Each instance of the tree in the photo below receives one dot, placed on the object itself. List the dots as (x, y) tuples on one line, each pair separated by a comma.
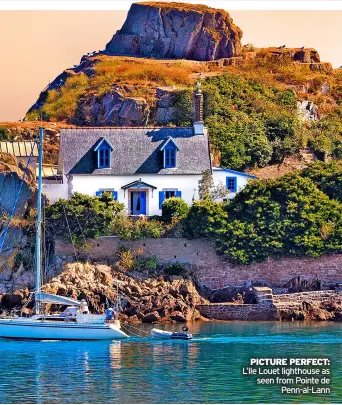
[(207, 190)]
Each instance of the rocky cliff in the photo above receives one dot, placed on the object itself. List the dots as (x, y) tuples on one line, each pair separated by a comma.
[(176, 30)]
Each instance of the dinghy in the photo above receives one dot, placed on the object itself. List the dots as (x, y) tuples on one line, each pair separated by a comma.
[(164, 334)]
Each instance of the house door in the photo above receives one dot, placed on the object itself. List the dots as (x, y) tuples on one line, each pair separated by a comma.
[(138, 203)]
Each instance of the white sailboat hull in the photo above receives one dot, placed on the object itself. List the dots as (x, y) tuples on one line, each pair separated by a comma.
[(23, 328)]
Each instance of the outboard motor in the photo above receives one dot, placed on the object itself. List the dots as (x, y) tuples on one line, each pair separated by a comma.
[(163, 334)]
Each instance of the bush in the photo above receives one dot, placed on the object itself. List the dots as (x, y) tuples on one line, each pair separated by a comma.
[(129, 228), (175, 269), (288, 216), (85, 216), (132, 259), (327, 177), (205, 218), (4, 134), (128, 259), (174, 207), (250, 123)]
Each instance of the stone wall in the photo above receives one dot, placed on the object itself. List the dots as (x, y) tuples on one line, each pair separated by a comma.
[(211, 269), (264, 310), (306, 296), (268, 306), (236, 312)]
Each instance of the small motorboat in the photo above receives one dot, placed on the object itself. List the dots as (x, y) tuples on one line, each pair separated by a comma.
[(164, 334)]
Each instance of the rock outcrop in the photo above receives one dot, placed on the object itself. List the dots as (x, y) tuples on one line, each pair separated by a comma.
[(149, 299), (307, 110), (113, 109), (302, 55), (176, 30)]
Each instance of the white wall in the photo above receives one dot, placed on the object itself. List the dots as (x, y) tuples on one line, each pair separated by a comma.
[(55, 191), (220, 175), (89, 184)]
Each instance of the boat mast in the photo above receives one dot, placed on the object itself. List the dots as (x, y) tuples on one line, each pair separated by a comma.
[(39, 223)]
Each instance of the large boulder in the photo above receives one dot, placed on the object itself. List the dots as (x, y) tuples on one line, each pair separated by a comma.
[(177, 30)]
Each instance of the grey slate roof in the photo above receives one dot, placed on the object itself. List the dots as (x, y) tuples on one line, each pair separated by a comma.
[(136, 150)]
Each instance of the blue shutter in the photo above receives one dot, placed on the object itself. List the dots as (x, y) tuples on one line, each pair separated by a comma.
[(98, 193), (161, 198), (179, 194), (115, 195)]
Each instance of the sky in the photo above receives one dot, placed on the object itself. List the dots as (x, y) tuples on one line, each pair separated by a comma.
[(36, 46)]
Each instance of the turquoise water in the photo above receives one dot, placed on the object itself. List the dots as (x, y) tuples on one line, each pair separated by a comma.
[(206, 369)]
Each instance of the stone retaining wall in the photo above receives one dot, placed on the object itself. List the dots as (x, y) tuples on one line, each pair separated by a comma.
[(264, 310), (237, 312), (307, 296), (211, 269), (267, 307)]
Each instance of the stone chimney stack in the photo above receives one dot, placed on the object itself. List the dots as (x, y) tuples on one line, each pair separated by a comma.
[(198, 110)]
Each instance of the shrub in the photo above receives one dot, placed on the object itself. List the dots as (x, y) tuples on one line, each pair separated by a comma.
[(150, 263), (127, 260), (288, 216), (132, 259), (327, 177), (249, 122), (175, 269), (205, 218), (4, 134), (129, 228), (85, 216), (182, 103), (174, 207)]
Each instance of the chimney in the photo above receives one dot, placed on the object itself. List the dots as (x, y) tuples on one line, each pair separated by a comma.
[(198, 110)]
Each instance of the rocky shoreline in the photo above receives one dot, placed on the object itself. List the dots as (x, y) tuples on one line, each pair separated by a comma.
[(150, 299), (153, 297)]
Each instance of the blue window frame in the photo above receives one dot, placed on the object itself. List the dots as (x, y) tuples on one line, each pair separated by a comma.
[(103, 151), (231, 183), (103, 157), (170, 156), (114, 193), (164, 195), (169, 149)]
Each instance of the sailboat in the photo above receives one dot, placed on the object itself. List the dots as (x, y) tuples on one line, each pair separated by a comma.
[(75, 322)]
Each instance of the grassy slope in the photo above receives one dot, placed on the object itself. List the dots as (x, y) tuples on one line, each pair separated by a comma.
[(140, 77)]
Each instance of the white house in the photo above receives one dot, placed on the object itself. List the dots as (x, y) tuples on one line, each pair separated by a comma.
[(233, 180), (142, 167)]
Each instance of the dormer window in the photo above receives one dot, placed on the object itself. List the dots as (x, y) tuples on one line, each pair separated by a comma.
[(170, 157), (104, 158), (103, 151), (169, 150)]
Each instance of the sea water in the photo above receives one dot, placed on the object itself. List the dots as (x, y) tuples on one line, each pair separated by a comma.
[(144, 370)]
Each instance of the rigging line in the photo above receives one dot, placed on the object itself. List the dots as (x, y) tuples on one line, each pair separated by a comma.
[(84, 239), (134, 328), (66, 219), (44, 241), (125, 329), (70, 234), (3, 233)]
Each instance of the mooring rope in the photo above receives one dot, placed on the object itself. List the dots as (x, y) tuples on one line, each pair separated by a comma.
[(134, 328)]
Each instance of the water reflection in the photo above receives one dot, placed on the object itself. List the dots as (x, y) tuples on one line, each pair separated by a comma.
[(207, 369)]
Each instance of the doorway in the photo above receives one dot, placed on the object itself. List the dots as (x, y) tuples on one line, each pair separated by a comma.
[(138, 202)]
